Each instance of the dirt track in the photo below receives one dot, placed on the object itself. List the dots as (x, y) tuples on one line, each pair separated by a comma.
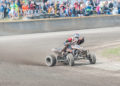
[(22, 56)]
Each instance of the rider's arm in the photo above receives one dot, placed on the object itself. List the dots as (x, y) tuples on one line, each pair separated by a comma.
[(66, 44), (81, 40)]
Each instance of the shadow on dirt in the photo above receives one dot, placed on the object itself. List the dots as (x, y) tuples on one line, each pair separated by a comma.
[(29, 63)]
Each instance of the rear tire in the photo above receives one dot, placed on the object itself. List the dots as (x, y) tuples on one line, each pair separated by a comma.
[(70, 59), (92, 59), (50, 60)]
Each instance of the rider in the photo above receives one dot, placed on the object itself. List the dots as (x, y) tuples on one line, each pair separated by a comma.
[(75, 39)]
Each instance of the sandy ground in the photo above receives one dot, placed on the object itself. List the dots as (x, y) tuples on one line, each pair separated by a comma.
[(21, 58)]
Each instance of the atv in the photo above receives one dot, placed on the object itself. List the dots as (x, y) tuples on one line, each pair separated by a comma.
[(69, 58)]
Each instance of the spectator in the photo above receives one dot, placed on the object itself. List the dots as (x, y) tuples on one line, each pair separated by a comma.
[(88, 10), (106, 9), (12, 10), (1, 10), (24, 8), (98, 9), (88, 2), (16, 9), (94, 4), (32, 8), (110, 6), (118, 6), (115, 11)]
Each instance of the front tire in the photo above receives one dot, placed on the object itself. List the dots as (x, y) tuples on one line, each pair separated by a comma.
[(50, 60), (70, 59)]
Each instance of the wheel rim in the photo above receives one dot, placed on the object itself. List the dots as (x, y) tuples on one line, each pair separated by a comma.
[(48, 61), (70, 60)]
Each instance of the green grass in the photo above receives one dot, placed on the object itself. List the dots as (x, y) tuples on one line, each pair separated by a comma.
[(111, 52)]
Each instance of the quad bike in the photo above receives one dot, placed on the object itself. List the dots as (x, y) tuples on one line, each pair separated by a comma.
[(69, 58)]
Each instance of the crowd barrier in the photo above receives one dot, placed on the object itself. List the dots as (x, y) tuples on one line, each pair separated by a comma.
[(57, 24)]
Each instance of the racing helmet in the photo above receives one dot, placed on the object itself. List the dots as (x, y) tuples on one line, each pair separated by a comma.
[(76, 35)]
